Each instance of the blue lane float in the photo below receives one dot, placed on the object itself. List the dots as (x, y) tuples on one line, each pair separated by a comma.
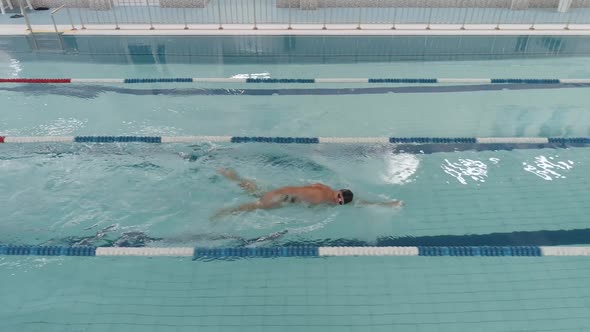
[(433, 140), (158, 80), (278, 140), (281, 80), (571, 140), (46, 251), (404, 80), (262, 252), (481, 251), (297, 251)]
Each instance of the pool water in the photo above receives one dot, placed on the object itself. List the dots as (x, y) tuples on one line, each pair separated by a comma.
[(322, 110), (60, 193), (174, 191)]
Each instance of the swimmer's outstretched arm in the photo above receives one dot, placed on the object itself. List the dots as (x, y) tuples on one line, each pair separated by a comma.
[(394, 203)]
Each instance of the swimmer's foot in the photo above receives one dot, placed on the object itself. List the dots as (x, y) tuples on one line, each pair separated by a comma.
[(229, 174), (248, 185), (396, 203)]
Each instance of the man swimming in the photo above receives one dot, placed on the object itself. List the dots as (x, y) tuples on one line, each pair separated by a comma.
[(314, 194)]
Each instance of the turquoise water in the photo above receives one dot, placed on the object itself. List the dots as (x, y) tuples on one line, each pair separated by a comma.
[(59, 193), (354, 294), (180, 109), (160, 191)]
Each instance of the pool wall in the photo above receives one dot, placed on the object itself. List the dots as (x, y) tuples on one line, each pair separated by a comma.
[(312, 49)]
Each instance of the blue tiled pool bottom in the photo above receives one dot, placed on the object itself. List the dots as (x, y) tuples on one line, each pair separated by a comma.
[(352, 294)]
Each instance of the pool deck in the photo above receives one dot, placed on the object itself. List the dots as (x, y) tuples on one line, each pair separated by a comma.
[(305, 29)]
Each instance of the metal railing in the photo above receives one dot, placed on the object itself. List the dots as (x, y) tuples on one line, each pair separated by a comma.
[(57, 33), (194, 14)]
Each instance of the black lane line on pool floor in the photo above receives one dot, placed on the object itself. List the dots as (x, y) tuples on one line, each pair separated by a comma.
[(58, 150), (93, 91), (521, 238), (528, 238)]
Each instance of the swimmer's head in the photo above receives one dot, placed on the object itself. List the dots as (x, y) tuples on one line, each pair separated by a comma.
[(344, 196)]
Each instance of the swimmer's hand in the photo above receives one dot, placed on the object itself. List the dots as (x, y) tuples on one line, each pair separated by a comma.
[(394, 203), (220, 214)]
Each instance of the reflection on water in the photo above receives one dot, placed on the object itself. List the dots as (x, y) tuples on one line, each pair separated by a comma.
[(400, 168), (15, 67), (464, 169), (546, 168)]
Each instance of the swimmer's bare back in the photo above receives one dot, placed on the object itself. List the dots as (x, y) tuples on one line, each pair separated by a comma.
[(315, 194)]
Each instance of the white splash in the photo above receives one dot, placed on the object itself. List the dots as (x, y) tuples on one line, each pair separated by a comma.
[(464, 169), (400, 168), (15, 66), (547, 169), (255, 75), (41, 262), (61, 126), (313, 227)]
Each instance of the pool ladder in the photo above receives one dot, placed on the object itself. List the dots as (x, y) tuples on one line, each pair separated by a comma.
[(47, 41)]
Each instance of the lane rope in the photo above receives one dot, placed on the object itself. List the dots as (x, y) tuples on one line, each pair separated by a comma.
[(299, 80), (295, 140), (298, 251)]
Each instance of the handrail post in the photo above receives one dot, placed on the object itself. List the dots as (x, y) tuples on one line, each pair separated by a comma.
[(255, 25), (358, 27), (82, 26), (115, 15), (219, 15), (569, 19), (29, 27), (289, 4), (324, 27), (26, 16), (147, 2), (532, 27), (61, 42), (468, 12), (70, 17)]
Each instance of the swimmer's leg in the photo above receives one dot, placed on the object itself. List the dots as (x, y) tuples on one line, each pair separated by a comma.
[(261, 204), (248, 185), (236, 209), (271, 237)]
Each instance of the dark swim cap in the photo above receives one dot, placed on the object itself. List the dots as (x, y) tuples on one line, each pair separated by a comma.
[(346, 195)]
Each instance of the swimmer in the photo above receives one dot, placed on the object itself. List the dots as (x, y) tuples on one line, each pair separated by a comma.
[(314, 194)]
